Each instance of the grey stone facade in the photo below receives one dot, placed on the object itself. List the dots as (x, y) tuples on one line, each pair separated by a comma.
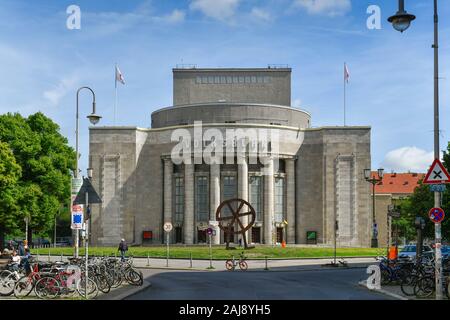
[(322, 168)]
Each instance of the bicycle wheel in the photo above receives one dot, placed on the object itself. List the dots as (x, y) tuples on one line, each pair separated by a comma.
[(229, 265), (23, 287), (134, 277), (407, 285), (7, 282), (385, 277), (425, 287), (92, 289), (47, 288), (243, 265), (102, 283)]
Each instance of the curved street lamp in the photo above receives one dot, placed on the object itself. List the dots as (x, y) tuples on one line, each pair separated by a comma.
[(401, 20), (94, 119), (373, 180)]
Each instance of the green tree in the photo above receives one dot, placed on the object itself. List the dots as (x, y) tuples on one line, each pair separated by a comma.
[(10, 173), (46, 161)]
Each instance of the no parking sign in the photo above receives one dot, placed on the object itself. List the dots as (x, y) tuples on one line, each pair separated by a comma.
[(436, 215)]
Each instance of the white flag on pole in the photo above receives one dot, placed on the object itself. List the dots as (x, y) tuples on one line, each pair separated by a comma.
[(346, 73), (119, 76)]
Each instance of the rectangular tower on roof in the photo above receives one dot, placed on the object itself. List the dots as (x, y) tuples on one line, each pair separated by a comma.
[(249, 85)]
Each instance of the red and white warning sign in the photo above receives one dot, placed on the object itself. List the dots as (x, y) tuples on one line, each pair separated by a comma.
[(437, 174)]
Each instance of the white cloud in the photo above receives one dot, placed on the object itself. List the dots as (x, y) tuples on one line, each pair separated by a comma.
[(217, 9), (408, 159), (297, 103), (175, 17), (327, 7), (65, 85), (260, 14)]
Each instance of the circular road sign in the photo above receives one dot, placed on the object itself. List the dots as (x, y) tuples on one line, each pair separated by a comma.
[(437, 215), (168, 227), (209, 231)]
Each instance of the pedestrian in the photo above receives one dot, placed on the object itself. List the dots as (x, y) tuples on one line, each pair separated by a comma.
[(123, 248), (240, 242), (21, 248), (24, 260)]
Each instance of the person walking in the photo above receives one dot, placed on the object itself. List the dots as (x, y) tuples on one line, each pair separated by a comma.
[(123, 248)]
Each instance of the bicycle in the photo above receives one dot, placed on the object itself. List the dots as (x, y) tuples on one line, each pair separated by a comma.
[(231, 264)]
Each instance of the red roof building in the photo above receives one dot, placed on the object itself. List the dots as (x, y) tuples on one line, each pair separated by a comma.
[(398, 183)]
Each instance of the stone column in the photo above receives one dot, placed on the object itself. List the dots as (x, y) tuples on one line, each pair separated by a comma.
[(243, 190), (268, 200), (215, 198), (290, 199), (188, 204), (168, 174)]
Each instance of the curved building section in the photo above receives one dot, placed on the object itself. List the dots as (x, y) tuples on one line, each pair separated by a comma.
[(307, 177), (231, 113)]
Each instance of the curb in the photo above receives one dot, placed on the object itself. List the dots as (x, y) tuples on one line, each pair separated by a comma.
[(146, 284), (382, 291)]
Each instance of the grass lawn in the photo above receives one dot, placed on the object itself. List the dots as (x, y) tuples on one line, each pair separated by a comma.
[(219, 252)]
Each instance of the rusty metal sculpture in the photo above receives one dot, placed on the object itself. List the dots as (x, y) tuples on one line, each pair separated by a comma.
[(229, 212)]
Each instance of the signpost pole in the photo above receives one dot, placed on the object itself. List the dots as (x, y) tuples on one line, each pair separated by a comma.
[(210, 251), (167, 260), (86, 235)]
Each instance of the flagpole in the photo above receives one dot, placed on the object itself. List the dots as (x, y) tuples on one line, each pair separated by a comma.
[(345, 86), (115, 97)]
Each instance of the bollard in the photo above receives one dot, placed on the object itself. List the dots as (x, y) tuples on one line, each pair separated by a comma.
[(233, 263), (61, 257), (266, 268), (148, 259), (48, 255), (190, 258)]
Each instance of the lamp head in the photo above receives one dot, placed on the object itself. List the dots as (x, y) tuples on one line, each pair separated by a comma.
[(380, 173), (89, 173), (94, 118), (401, 20), (367, 174)]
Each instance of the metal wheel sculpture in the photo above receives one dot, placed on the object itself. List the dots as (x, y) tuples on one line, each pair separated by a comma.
[(229, 212)]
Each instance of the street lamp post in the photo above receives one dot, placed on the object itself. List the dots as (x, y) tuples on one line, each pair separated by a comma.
[(405, 19), (94, 119), (373, 180)]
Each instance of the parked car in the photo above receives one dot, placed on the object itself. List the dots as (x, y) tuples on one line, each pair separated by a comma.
[(445, 252), (408, 253)]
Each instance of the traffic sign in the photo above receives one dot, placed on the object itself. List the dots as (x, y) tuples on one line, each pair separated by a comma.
[(77, 217), (88, 188), (209, 231), (437, 174), (436, 215), (168, 227), (437, 187)]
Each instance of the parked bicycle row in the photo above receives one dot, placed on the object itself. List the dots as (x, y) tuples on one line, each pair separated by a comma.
[(414, 279), (48, 280)]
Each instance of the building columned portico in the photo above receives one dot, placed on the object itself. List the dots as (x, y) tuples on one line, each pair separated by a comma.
[(298, 179)]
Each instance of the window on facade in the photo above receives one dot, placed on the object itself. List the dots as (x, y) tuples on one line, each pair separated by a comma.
[(204, 79), (253, 79), (210, 79), (229, 79), (179, 199), (223, 79), (241, 79), (256, 195), (259, 79), (266, 79), (247, 79), (229, 191), (201, 198), (235, 79), (279, 199), (198, 80), (216, 79)]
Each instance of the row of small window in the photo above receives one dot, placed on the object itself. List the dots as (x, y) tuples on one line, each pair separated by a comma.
[(231, 79)]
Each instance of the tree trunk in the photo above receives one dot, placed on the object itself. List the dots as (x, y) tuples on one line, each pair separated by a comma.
[(30, 237), (2, 239)]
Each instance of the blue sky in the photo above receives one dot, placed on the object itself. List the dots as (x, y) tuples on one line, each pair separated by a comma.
[(391, 82)]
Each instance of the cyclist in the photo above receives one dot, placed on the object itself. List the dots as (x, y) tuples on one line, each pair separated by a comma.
[(25, 261)]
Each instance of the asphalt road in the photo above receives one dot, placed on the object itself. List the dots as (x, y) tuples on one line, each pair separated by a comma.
[(339, 284)]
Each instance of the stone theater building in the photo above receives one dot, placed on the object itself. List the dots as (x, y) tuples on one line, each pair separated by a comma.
[(318, 178)]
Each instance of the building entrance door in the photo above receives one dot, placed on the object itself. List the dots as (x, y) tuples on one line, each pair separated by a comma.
[(178, 235), (256, 235), (279, 235), (201, 236)]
